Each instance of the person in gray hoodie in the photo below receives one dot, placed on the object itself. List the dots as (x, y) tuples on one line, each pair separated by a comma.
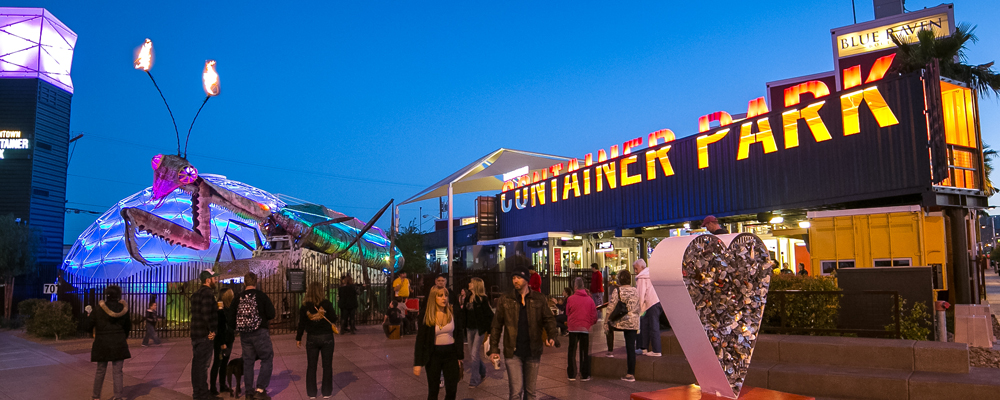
[(649, 311)]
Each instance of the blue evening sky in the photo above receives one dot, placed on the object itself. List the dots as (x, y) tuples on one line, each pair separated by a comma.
[(351, 104)]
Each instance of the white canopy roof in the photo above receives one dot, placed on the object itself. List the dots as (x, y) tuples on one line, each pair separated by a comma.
[(481, 175)]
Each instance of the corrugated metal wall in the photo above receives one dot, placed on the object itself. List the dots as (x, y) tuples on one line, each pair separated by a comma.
[(876, 163), (48, 173)]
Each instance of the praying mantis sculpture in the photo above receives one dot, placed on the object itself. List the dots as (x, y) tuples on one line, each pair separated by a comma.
[(173, 172)]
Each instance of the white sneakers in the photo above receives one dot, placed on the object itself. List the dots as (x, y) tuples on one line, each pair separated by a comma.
[(652, 354)]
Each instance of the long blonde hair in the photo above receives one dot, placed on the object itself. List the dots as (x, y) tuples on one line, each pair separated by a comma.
[(478, 289), (227, 297), (315, 293), (430, 313)]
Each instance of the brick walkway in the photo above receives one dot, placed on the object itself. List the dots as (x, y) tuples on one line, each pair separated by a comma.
[(366, 366)]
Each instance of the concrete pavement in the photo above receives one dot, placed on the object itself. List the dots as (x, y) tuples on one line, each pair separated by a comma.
[(366, 366)]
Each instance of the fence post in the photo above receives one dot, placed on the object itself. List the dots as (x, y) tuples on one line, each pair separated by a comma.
[(781, 308), (896, 314)]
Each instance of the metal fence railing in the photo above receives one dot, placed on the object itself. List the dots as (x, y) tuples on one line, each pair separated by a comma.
[(173, 285), (860, 313)]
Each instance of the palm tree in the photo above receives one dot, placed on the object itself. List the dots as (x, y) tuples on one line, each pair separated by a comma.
[(950, 53), (988, 155)]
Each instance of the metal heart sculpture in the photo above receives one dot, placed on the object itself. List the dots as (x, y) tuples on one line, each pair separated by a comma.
[(713, 289)]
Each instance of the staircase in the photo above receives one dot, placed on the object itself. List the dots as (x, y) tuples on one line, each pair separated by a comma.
[(833, 367)]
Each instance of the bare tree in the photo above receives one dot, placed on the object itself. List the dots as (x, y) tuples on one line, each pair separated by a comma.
[(17, 255)]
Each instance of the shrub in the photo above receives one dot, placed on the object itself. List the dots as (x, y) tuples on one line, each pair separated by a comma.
[(12, 323), (52, 319), (26, 308), (807, 311), (913, 324)]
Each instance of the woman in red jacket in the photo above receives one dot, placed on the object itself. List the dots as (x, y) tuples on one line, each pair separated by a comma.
[(581, 314)]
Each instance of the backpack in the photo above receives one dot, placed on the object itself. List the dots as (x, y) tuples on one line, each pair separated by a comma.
[(394, 316), (247, 314)]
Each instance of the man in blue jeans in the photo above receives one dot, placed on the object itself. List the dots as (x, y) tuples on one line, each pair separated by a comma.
[(254, 311), (523, 314)]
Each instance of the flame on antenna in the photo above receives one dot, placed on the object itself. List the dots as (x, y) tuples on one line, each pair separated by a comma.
[(210, 79), (144, 60)]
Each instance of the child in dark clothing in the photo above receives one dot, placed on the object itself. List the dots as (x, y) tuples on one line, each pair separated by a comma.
[(151, 319)]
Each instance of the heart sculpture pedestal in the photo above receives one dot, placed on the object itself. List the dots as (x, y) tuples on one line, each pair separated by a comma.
[(693, 392), (713, 290)]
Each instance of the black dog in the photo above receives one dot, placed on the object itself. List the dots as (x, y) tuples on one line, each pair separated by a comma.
[(235, 369)]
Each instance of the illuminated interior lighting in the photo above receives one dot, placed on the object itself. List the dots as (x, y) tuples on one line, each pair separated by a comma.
[(804, 224), (777, 219), (35, 44)]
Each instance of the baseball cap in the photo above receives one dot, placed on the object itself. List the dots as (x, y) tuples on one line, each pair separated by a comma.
[(709, 219), (206, 274), (520, 271)]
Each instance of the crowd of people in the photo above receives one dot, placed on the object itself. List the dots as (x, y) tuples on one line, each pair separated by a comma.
[(520, 324)]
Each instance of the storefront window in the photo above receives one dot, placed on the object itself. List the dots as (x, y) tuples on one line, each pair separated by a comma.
[(895, 262)]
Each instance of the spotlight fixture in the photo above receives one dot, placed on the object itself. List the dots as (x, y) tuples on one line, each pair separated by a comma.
[(804, 224), (777, 219)]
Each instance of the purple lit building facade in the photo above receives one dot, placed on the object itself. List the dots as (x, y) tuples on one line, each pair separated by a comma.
[(36, 55)]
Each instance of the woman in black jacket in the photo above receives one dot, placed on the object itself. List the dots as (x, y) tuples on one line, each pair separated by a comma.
[(112, 324), (316, 317), (224, 337), (439, 346), (478, 321), (347, 301)]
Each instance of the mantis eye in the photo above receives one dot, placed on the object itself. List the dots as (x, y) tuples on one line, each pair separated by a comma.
[(188, 175), (157, 160)]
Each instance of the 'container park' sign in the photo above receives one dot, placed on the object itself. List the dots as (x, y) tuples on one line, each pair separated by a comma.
[(822, 148)]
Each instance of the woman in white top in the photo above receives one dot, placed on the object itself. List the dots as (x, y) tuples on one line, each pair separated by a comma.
[(437, 348), (650, 310)]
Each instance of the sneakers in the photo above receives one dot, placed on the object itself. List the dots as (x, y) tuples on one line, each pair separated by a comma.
[(584, 379), (610, 354), (652, 354), (628, 378), (640, 351), (572, 379), (259, 395)]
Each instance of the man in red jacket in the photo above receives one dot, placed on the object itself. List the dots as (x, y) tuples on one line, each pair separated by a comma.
[(597, 284), (535, 282), (581, 313)]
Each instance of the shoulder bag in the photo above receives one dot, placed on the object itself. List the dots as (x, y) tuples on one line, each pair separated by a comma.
[(621, 309)]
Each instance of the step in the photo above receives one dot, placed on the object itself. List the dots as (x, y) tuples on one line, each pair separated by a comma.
[(978, 383), (907, 355), (838, 381), (670, 368)]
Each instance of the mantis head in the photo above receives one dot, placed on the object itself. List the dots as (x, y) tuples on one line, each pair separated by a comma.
[(169, 173)]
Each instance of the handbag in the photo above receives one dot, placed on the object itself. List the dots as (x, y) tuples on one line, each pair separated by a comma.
[(621, 309), (336, 331)]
